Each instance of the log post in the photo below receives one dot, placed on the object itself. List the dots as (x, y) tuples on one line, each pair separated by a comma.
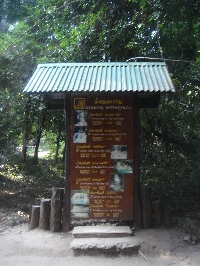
[(146, 207), (66, 207), (137, 215), (34, 217), (167, 217), (157, 213), (44, 214), (56, 209)]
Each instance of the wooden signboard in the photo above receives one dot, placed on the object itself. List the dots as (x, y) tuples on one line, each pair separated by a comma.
[(101, 179)]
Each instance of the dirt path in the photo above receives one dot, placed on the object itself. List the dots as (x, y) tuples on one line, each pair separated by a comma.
[(159, 247)]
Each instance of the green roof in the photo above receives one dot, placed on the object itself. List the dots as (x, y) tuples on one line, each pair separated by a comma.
[(100, 77)]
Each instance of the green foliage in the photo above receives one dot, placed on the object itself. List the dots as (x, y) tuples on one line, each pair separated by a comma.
[(27, 184), (10, 119), (171, 145)]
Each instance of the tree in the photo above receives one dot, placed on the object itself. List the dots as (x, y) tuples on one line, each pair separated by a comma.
[(54, 133)]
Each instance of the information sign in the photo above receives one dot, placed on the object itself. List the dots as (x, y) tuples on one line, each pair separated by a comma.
[(101, 179)]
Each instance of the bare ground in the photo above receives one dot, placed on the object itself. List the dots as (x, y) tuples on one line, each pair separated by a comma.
[(21, 247)]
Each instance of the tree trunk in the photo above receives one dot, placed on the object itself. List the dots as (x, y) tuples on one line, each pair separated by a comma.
[(64, 152), (45, 206), (26, 129), (56, 209), (37, 143), (57, 146)]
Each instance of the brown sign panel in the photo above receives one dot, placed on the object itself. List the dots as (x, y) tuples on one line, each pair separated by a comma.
[(102, 157)]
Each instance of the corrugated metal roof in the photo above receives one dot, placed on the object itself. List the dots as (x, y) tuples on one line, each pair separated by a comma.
[(100, 77)]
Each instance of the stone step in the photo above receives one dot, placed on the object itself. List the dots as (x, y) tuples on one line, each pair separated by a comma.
[(101, 231), (122, 245)]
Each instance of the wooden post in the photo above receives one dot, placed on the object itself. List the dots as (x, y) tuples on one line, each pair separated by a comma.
[(146, 207), (136, 161), (56, 209), (44, 214), (34, 217), (66, 208), (167, 217), (157, 213)]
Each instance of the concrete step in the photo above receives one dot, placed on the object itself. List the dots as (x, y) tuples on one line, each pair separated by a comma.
[(104, 239), (102, 231), (92, 246)]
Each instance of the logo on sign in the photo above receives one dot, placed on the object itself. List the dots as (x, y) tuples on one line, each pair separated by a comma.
[(79, 103)]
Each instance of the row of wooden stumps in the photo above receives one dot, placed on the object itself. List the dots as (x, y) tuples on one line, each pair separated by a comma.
[(48, 215), (153, 214)]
